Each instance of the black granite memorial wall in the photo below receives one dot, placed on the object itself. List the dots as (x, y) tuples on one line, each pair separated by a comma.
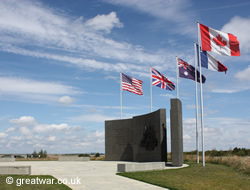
[(140, 139)]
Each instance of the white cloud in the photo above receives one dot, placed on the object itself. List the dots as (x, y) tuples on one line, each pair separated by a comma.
[(190, 121), (93, 64), (3, 135), (52, 138), (104, 22), (16, 138), (186, 137), (24, 120), (42, 128), (42, 27), (34, 127), (92, 110), (240, 27), (113, 78), (243, 75), (99, 134), (8, 145), (159, 8), (65, 100), (9, 130), (20, 85), (35, 22), (191, 106), (33, 90), (25, 131), (221, 133), (232, 90), (168, 95), (175, 12), (92, 118), (39, 145)]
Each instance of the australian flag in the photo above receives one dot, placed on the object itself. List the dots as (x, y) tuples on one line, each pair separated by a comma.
[(188, 71), (159, 80)]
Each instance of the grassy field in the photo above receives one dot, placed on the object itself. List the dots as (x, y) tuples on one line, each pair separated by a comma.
[(239, 163), (30, 182), (212, 176)]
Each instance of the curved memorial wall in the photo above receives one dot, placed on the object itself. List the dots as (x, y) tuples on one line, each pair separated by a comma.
[(139, 139)]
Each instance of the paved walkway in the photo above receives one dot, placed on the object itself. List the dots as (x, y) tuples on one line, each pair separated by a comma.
[(93, 175)]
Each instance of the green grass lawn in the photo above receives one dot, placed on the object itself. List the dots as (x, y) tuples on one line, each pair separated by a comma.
[(210, 177), (29, 181)]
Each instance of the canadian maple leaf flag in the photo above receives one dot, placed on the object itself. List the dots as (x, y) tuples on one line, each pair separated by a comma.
[(219, 42)]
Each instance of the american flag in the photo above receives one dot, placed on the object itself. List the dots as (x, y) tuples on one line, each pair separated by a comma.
[(131, 84), (159, 80)]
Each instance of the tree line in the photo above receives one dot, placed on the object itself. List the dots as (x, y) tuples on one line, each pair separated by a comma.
[(41, 154), (231, 152)]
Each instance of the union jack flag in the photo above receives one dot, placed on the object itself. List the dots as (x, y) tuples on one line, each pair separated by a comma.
[(159, 80), (184, 64)]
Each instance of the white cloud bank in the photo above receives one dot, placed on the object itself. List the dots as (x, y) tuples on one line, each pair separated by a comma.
[(24, 120), (3, 135), (175, 13), (243, 75), (33, 90), (28, 134), (95, 117), (104, 22), (21, 85), (29, 28), (219, 133), (240, 27), (65, 100)]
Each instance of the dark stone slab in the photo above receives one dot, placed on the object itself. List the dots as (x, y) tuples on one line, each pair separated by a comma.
[(140, 139), (118, 140), (176, 132)]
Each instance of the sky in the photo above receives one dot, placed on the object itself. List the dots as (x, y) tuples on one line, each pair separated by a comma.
[(60, 63)]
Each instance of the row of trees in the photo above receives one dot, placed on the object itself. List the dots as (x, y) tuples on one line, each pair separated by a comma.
[(41, 154), (232, 152), (235, 152)]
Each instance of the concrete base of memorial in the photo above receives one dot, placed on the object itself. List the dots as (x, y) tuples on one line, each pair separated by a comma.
[(15, 170), (146, 166), (134, 167), (7, 159)]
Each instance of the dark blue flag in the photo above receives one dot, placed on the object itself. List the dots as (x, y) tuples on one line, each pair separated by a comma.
[(188, 71)]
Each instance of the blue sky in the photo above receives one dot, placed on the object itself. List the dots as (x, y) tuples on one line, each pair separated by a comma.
[(60, 64)]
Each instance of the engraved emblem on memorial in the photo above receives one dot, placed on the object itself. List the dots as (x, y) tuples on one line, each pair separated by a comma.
[(149, 140)]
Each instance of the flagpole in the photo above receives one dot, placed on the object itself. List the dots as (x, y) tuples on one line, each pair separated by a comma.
[(201, 97), (177, 76), (196, 103), (121, 94), (151, 102)]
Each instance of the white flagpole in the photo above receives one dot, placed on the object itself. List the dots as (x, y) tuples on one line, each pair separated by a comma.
[(196, 103), (201, 91), (151, 104), (177, 77), (121, 93)]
